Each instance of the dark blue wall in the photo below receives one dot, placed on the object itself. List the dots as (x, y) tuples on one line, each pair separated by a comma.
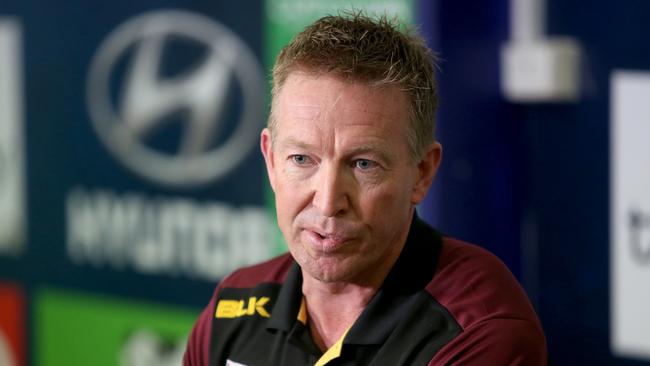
[(530, 182), (478, 194)]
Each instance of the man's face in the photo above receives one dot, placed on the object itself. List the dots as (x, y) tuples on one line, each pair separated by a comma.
[(345, 185)]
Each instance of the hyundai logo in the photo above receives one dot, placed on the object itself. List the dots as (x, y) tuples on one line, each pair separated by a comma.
[(210, 139)]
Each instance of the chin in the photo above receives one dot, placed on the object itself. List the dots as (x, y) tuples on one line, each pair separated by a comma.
[(324, 272), (327, 277)]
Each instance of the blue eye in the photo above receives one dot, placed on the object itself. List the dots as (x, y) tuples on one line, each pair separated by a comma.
[(300, 159), (365, 164)]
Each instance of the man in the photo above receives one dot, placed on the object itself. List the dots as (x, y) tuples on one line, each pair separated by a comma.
[(350, 152)]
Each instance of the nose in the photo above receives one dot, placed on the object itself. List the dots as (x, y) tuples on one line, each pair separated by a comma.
[(332, 191)]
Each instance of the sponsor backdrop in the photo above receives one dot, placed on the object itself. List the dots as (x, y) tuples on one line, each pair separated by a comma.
[(130, 177), (130, 181)]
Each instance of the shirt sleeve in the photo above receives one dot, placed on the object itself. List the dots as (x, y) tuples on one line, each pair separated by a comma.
[(510, 342), (197, 352)]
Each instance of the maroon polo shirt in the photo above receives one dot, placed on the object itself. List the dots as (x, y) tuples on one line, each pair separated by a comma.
[(444, 302)]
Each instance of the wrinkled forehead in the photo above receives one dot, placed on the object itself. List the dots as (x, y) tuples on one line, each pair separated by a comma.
[(318, 106), (308, 93), (367, 79), (319, 79)]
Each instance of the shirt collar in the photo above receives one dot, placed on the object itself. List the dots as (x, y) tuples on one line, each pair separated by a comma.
[(412, 271), (285, 312)]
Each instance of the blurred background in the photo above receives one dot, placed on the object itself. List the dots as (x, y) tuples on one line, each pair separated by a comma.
[(131, 182)]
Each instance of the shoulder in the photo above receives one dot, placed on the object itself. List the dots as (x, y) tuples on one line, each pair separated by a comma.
[(474, 285), (273, 271), (498, 323), (496, 341)]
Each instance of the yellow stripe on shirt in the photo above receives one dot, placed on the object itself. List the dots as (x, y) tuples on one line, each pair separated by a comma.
[(333, 352)]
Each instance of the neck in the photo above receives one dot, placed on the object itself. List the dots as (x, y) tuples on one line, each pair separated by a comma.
[(333, 308)]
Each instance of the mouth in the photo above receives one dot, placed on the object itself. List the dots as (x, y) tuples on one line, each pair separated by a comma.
[(326, 242)]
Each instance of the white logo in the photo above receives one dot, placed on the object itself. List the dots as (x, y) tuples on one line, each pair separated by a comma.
[(207, 149), (146, 348), (4, 170), (6, 358), (12, 156)]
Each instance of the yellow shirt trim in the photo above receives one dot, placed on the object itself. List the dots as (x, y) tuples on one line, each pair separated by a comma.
[(333, 352), (302, 313)]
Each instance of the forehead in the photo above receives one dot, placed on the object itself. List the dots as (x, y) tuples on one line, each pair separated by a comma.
[(333, 101)]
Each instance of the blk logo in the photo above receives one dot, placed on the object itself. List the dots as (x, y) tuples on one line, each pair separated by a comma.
[(168, 119), (238, 308), (640, 235)]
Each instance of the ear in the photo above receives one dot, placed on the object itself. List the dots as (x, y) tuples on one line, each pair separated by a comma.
[(427, 169), (266, 145)]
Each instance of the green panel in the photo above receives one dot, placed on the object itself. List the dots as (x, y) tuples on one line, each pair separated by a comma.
[(284, 18), (76, 329)]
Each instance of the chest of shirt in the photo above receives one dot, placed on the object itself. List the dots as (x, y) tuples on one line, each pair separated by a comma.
[(259, 326)]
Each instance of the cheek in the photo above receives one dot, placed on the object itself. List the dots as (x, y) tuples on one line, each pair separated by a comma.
[(293, 177), (389, 207), (396, 190), (284, 213), (379, 200), (283, 201), (385, 204), (289, 197)]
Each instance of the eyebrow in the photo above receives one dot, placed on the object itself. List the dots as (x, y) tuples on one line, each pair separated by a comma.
[(376, 149), (292, 142)]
